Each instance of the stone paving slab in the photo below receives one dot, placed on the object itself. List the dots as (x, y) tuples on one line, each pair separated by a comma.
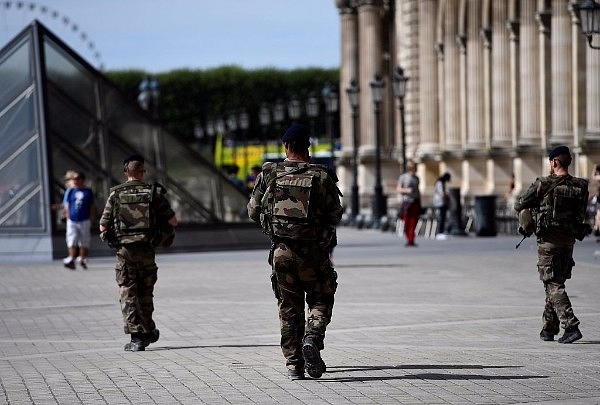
[(449, 322)]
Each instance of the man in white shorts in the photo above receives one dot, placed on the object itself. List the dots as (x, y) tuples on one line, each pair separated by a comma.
[(79, 205)]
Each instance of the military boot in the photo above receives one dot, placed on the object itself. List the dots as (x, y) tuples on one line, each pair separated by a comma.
[(546, 336), (137, 343), (313, 364), (151, 337), (570, 335)]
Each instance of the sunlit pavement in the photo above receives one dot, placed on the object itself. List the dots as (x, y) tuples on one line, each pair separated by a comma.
[(454, 321)]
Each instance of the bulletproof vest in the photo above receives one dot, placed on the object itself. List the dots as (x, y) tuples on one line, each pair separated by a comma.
[(563, 207), (132, 212), (288, 205)]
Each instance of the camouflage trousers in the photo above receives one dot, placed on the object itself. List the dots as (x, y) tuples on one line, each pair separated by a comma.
[(555, 263), (302, 272), (136, 274)]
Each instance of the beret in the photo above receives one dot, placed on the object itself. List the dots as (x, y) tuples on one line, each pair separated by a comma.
[(559, 150), (133, 158), (298, 134)]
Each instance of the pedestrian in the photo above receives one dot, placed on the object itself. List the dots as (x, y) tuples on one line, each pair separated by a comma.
[(596, 199), (558, 204), (410, 207), (298, 206), (80, 211), (441, 202), (136, 219)]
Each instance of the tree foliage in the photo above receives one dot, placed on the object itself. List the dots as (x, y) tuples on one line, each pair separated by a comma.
[(188, 97)]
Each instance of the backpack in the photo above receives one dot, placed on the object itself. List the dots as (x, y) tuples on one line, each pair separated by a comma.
[(288, 205), (135, 219), (564, 206)]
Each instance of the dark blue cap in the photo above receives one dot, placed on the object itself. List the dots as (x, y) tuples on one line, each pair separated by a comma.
[(298, 134), (559, 150), (133, 158)]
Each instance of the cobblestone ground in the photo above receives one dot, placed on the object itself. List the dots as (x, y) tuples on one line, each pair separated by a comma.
[(453, 321)]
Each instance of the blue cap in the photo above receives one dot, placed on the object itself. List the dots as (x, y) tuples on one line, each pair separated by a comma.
[(133, 158), (298, 134), (559, 150)]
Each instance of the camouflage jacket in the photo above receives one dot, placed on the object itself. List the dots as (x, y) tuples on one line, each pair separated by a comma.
[(138, 224), (326, 204)]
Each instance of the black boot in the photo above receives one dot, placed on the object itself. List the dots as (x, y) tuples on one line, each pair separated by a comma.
[(137, 343), (570, 335)]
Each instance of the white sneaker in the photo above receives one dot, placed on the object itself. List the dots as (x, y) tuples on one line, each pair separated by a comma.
[(441, 236)]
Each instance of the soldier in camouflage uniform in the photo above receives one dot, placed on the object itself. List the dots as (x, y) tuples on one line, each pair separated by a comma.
[(302, 232), (133, 213), (558, 204)]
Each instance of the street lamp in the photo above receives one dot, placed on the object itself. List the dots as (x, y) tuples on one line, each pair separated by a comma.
[(353, 96), (589, 15), (294, 107), (220, 131), (244, 122), (199, 134), (330, 96), (312, 110), (379, 208), (232, 125), (278, 118), (148, 96), (399, 86), (264, 117), (210, 131)]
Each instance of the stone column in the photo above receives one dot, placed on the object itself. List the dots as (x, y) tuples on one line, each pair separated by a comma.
[(369, 49), (529, 77), (501, 137), (428, 83), (348, 71), (475, 78), (592, 95), (562, 71), (451, 78)]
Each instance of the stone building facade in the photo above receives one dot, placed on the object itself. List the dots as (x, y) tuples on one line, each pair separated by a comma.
[(493, 85)]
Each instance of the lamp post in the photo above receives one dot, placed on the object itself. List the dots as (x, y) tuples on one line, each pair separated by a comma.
[(312, 110), (199, 135), (244, 121), (353, 96), (330, 96), (232, 125), (399, 86), (220, 130), (278, 118), (210, 131), (589, 15), (149, 94), (379, 209), (294, 107), (148, 100), (264, 117)]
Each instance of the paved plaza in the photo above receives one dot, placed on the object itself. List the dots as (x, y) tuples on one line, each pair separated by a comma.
[(448, 322)]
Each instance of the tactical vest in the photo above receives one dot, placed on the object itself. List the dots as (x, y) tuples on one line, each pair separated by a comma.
[(563, 206), (288, 207)]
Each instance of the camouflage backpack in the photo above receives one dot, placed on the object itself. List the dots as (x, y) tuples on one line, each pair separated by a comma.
[(134, 215), (288, 206), (564, 206)]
